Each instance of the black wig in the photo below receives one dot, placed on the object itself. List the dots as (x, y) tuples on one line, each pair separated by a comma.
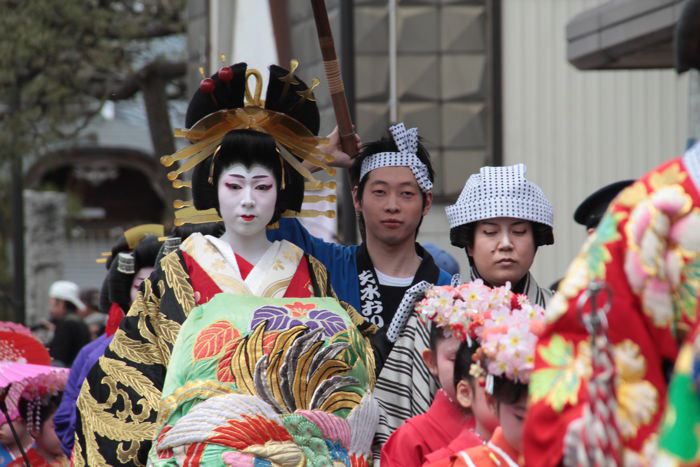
[(145, 255), (248, 146)]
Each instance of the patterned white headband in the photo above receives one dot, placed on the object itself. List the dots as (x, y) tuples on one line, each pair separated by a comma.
[(407, 142)]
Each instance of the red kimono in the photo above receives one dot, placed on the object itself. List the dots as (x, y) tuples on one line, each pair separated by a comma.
[(497, 453), (468, 438), (647, 251), (37, 460), (409, 445)]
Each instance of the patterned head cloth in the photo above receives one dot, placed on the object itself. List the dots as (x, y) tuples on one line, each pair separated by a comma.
[(407, 142), (500, 192)]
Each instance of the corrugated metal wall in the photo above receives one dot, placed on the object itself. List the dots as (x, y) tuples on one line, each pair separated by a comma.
[(576, 130)]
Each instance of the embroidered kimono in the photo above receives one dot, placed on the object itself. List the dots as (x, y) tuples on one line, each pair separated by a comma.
[(647, 250), (679, 440), (287, 381), (119, 401), (37, 460), (419, 436), (497, 453), (65, 417)]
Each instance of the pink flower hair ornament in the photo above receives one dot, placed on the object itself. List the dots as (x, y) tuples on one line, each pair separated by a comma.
[(508, 338), (462, 311)]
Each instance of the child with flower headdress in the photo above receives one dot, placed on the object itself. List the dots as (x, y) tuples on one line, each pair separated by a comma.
[(37, 405), (503, 363), (454, 316)]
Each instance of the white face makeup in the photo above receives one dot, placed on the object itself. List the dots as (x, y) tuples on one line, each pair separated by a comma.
[(247, 198)]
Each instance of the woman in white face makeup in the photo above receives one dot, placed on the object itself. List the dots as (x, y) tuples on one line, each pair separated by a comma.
[(500, 219), (237, 350)]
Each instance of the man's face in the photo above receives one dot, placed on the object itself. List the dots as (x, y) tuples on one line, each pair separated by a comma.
[(504, 249), (247, 199), (57, 308), (392, 205)]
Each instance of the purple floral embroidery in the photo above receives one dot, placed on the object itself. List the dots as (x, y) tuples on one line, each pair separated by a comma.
[(331, 323), (281, 319), (277, 318)]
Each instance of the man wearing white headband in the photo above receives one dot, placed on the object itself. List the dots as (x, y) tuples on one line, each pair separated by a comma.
[(500, 219), (393, 192)]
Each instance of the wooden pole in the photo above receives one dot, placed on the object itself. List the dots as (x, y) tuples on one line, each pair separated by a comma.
[(335, 80)]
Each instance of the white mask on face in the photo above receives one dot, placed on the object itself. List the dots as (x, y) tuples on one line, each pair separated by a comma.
[(247, 199)]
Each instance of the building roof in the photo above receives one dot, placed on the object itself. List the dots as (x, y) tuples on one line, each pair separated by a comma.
[(623, 34)]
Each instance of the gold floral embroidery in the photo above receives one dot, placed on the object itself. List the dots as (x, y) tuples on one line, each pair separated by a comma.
[(637, 398), (96, 420), (652, 266), (319, 271), (137, 352), (105, 424), (129, 455), (671, 176), (558, 383), (176, 278), (168, 330), (218, 264), (132, 378), (632, 195)]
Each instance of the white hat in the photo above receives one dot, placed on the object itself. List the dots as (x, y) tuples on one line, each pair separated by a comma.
[(68, 291), (500, 192)]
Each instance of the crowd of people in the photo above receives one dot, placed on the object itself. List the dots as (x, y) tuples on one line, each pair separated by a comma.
[(246, 341)]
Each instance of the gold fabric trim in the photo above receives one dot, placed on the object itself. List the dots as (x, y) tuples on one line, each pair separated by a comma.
[(132, 378), (129, 455), (190, 390), (135, 351), (176, 277), (96, 420)]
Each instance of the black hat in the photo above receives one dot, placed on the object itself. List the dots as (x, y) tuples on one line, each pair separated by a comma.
[(591, 210), (686, 41)]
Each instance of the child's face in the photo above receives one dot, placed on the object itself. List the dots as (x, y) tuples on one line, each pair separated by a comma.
[(472, 397), (484, 412), (6, 437), (441, 364), (47, 439), (511, 417)]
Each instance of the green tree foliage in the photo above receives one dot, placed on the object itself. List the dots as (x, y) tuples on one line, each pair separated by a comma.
[(59, 61)]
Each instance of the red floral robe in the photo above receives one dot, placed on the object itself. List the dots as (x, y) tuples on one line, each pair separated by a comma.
[(419, 436), (468, 438), (496, 453), (647, 250)]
